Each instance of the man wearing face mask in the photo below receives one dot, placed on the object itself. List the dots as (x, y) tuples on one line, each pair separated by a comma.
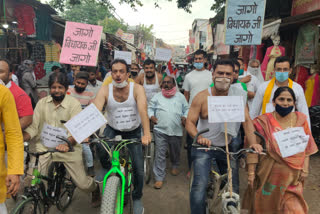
[(256, 79), (85, 98), (126, 107), (168, 110), (262, 102), (150, 79), (78, 90), (194, 82), (222, 77), (48, 114), (134, 70)]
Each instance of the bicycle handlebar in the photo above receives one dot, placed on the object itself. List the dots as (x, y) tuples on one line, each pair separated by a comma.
[(115, 140), (67, 141), (195, 144)]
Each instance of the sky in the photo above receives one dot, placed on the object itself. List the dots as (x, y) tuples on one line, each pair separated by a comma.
[(170, 23)]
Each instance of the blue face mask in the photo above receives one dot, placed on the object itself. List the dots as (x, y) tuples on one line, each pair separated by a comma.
[(282, 76), (241, 71), (198, 65)]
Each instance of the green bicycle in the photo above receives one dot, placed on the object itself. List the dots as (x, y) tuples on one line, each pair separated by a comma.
[(37, 199), (117, 182)]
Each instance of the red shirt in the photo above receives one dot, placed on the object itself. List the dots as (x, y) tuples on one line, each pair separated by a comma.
[(23, 101)]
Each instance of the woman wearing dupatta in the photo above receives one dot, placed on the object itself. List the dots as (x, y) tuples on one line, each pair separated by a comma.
[(276, 182)]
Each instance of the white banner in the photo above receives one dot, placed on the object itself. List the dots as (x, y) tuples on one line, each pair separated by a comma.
[(125, 55), (84, 124), (49, 135), (225, 109), (291, 141), (163, 54)]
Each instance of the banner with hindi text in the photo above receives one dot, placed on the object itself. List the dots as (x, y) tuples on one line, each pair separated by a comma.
[(244, 22), (81, 44)]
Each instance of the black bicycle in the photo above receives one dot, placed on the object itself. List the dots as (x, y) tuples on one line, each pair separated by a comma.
[(37, 199)]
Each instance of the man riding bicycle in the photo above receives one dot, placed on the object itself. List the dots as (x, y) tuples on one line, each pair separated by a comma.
[(125, 104), (49, 115), (222, 78)]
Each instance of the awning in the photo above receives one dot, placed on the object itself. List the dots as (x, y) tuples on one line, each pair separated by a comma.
[(296, 21), (271, 29)]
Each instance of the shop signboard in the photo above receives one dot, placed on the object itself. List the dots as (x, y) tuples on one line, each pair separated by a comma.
[(220, 46), (244, 22), (304, 6), (81, 44)]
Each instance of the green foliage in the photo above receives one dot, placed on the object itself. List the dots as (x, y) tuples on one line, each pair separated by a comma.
[(146, 32), (111, 25), (89, 12), (182, 4)]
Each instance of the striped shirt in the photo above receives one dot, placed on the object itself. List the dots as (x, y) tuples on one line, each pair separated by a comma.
[(85, 98)]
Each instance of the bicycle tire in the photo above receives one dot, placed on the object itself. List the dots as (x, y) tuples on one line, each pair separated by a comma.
[(233, 210), (67, 187), (21, 207), (149, 162), (111, 199)]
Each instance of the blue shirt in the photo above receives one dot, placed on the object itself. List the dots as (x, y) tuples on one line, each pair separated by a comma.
[(169, 112)]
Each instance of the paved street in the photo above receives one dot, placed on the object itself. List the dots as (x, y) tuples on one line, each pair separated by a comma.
[(173, 198)]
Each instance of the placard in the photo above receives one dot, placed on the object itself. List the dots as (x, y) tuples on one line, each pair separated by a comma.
[(125, 55), (81, 44), (125, 118), (244, 22), (291, 141), (84, 124), (49, 135), (163, 54), (225, 109)]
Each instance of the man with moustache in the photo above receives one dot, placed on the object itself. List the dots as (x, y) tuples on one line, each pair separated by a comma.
[(126, 106), (150, 79), (222, 77), (48, 114), (168, 110)]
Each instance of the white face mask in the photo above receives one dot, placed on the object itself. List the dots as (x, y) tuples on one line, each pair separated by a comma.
[(253, 71), (222, 83), (119, 85)]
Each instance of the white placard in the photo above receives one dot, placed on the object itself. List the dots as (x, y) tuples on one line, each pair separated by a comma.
[(125, 118), (163, 54), (291, 141), (49, 135), (125, 55), (84, 124), (225, 109)]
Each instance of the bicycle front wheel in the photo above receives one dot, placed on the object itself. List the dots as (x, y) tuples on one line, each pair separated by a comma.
[(111, 199), (148, 162), (29, 205)]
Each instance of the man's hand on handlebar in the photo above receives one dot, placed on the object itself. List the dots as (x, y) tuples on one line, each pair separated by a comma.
[(146, 139), (204, 141), (154, 120), (257, 147), (63, 148)]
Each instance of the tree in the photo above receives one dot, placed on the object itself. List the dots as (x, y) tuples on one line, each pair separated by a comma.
[(111, 25), (181, 4), (89, 12)]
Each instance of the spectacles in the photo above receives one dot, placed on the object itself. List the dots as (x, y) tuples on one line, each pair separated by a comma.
[(283, 69)]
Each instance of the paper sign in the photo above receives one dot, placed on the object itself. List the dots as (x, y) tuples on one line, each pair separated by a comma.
[(125, 55), (225, 109), (291, 141), (163, 54), (81, 44), (125, 118), (84, 124), (244, 22), (49, 135)]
